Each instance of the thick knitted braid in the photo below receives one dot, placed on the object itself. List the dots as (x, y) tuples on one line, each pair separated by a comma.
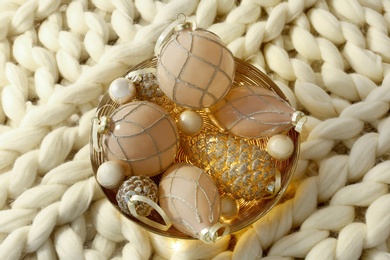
[(312, 239), (112, 228), (55, 148), (354, 237), (52, 188), (339, 169), (326, 134), (256, 33)]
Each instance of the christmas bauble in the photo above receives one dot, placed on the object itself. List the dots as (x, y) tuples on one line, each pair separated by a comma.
[(280, 147), (137, 185), (237, 167), (189, 122), (190, 199), (253, 112), (121, 90), (195, 69), (143, 136), (110, 174)]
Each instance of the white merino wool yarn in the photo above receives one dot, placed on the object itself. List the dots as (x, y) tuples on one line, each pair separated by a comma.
[(331, 58)]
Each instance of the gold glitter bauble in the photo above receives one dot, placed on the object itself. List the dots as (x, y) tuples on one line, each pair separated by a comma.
[(239, 168)]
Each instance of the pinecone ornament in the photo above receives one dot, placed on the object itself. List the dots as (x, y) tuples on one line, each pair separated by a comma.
[(240, 168), (137, 185)]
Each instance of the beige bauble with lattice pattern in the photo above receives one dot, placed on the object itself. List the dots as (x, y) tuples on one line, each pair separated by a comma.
[(190, 199), (253, 112), (195, 69), (143, 136)]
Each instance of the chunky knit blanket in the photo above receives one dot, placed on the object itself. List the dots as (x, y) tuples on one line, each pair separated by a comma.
[(330, 58)]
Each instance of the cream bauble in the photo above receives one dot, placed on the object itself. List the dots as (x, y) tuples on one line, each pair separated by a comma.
[(280, 147), (121, 90), (191, 200), (143, 136), (110, 174), (195, 69)]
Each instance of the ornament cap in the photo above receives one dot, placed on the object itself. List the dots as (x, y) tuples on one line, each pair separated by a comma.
[(136, 75), (177, 25), (184, 26), (298, 119), (99, 126)]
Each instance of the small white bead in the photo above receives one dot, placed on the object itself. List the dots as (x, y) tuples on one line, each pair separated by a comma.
[(121, 90), (280, 147), (190, 122), (110, 174), (229, 207)]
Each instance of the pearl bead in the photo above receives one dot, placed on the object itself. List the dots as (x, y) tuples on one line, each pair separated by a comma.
[(229, 207), (121, 90), (110, 174), (190, 122), (280, 147)]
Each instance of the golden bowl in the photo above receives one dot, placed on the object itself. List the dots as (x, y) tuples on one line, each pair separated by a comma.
[(249, 211)]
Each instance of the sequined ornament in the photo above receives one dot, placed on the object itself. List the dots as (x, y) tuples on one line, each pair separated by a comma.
[(137, 185), (148, 90), (146, 85), (195, 69), (239, 168), (143, 136), (253, 112), (191, 200)]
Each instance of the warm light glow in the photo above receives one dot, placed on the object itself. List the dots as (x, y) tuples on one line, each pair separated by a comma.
[(176, 245)]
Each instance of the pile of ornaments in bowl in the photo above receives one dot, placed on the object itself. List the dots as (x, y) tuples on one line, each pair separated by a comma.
[(181, 140)]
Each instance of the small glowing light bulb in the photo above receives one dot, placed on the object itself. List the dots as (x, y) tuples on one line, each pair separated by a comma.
[(176, 245)]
